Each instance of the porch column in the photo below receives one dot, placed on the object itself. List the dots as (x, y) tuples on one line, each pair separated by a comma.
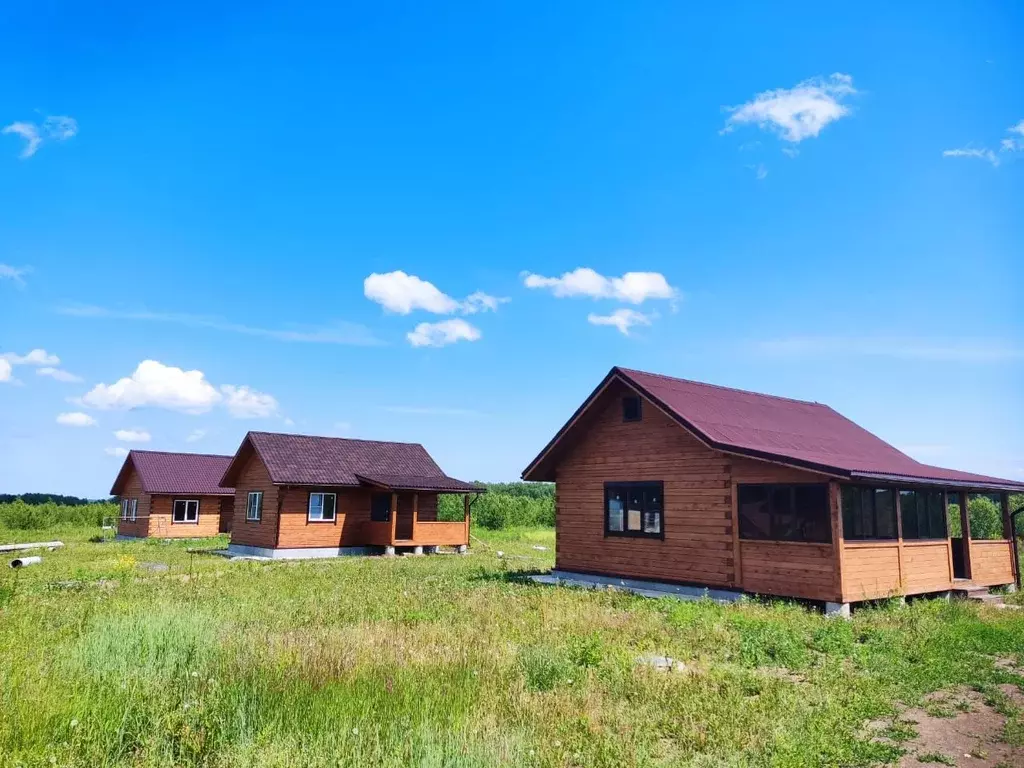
[(415, 513), (965, 531), (1008, 532), (394, 515), (465, 506)]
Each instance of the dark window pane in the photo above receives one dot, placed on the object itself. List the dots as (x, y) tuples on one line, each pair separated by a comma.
[(936, 516), (631, 408), (754, 512), (853, 527), (652, 499), (784, 520), (908, 510), (380, 507), (885, 514), (812, 514), (329, 499)]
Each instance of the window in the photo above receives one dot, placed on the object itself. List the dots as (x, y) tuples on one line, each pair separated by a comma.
[(869, 513), (631, 408), (784, 512), (254, 507), (129, 508), (185, 511), (321, 507), (380, 507), (634, 509), (924, 515)]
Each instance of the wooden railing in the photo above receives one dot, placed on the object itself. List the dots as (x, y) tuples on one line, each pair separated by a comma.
[(427, 534)]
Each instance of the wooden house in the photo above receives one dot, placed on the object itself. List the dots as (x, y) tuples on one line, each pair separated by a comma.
[(172, 495), (677, 481), (303, 496)]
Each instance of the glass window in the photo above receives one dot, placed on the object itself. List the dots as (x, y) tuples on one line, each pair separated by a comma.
[(631, 408), (380, 507), (254, 507), (185, 511), (634, 509), (321, 507), (868, 513), (784, 512)]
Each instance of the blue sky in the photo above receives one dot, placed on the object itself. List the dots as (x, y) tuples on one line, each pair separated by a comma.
[(821, 202)]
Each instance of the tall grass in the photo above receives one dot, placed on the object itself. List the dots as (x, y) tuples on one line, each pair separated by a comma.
[(21, 516)]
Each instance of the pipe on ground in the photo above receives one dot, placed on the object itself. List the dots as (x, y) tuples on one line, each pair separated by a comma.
[(21, 562)]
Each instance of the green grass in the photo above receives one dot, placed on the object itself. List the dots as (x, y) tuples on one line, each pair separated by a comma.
[(446, 661)]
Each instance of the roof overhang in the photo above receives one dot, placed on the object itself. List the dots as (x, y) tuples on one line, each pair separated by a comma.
[(426, 484)]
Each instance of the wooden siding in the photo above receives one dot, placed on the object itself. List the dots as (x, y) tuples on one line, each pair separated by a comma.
[(698, 543), (926, 567), (871, 570), (991, 562), (789, 569), (254, 477), (133, 490), (162, 526)]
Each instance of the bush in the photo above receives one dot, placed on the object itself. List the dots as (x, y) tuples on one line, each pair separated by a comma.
[(18, 515), (505, 505)]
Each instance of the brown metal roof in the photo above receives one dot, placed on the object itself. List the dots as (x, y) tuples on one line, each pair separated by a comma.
[(796, 432), (160, 472), (319, 461)]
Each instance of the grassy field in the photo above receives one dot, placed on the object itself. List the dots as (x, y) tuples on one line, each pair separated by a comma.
[(141, 654)]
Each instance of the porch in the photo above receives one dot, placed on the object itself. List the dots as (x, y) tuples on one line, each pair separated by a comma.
[(400, 524)]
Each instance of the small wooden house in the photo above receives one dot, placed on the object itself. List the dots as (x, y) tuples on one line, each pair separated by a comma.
[(676, 481), (172, 495), (304, 496)]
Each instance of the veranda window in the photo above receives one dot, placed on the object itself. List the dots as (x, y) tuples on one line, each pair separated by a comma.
[(868, 513), (924, 514), (776, 512), (634, 509)]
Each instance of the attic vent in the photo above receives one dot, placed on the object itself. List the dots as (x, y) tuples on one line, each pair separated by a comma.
[(631, 408)]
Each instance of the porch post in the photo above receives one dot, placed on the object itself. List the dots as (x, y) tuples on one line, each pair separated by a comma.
[(1008, 531), (949, 535), (965, 532), (415, 513), (465, 506), (394, 515)]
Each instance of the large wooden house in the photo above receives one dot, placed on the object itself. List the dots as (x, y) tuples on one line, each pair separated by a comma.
[(172, 495), (676, 481), (302, 496)]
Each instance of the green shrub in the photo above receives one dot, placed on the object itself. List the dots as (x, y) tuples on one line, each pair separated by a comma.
[(17, 515), (498, 510)]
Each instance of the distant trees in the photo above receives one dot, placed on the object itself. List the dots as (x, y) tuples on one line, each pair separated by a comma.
[(505, 505)]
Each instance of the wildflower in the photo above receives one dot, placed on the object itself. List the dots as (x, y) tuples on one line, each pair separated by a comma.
[(74, 723), (355, 731)]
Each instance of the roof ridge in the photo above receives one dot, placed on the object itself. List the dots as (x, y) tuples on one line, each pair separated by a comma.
[(183, 453), (333, 437), (722, 386)]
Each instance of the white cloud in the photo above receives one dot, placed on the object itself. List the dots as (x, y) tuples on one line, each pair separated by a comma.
[(76, 419), (933, 350), (54, 128), (15, 274), (157, 385), (980, 154), (133, 435), (1018, 128), (401, 293), (760, 171), (118, 452), (35, 357), (59, 374), (338, 333), (797, 113), (195, 435), (243, 402), (5, 370), (632, 287), (790, 151), (623, 319), (440, 334), (60, 127), (30, 133)]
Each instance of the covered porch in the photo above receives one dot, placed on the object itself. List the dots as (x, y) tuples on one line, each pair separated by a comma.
[(397, 519)]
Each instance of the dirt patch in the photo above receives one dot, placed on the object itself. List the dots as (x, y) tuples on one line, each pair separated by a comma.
[(957, 728)]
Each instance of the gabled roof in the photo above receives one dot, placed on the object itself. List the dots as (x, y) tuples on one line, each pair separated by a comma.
[(322, 461), (796, 432), (160, 472)]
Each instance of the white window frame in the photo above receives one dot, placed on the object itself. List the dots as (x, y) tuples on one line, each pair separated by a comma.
[(250, 508), (129, 509), (321, 518), (186, 521)]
